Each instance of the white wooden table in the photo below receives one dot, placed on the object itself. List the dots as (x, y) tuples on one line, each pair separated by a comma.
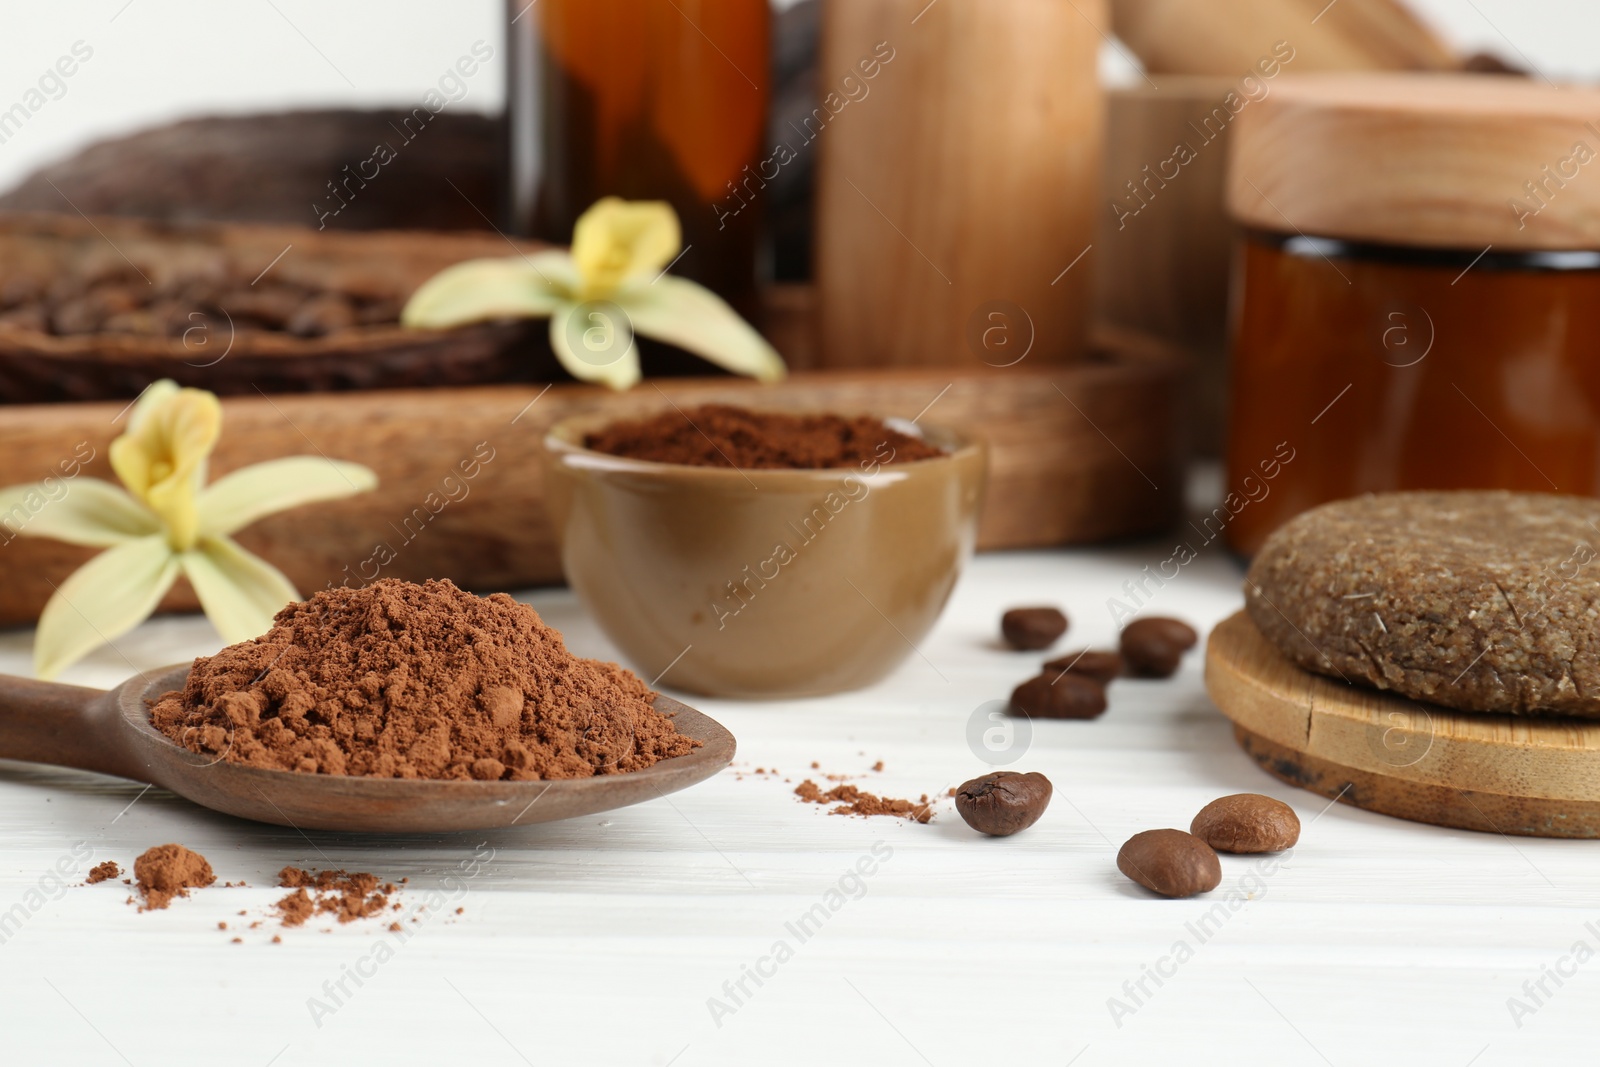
[(613, 939)]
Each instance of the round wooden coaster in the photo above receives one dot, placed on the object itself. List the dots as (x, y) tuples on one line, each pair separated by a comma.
[(1499, 773)]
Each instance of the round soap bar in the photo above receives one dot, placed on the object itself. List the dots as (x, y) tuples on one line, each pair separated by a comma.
[(1479, 601)]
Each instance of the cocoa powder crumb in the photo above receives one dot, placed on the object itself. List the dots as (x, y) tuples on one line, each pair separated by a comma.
[(102, 872), (296, 908), (347, 897), (168, 871), (717, 435), (399, 680), (854, 801)]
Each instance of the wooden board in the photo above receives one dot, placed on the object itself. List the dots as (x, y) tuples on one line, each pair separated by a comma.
[(1535, 777), (1205, 37), (1078, 454)]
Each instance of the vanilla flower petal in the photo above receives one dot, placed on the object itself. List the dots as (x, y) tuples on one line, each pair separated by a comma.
[(162, 456), (239, 591), (102, 600), (236, 500), (91, 512), (610, 365), (617, 242), (694, 318), (481, 290)]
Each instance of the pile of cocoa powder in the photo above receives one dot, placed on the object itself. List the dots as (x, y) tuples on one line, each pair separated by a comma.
[(399, 680), (717, 435), (168, 871)]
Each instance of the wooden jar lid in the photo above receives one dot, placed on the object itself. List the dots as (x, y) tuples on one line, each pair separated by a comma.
[(1430, 160)]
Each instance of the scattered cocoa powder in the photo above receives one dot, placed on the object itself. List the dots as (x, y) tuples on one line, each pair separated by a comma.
[(854, 801), (168, 871), (717, 435), (102, 872), (347, 897), (399, 680), (296, 908)]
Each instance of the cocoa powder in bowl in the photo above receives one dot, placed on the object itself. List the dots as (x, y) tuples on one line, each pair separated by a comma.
[(399, 680), (717, 435)]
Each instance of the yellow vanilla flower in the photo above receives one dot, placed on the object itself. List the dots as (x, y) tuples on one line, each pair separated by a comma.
[(166, 522), (618, 262)]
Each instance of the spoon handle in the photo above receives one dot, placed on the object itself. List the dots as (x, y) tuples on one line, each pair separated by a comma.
[(68, 725)]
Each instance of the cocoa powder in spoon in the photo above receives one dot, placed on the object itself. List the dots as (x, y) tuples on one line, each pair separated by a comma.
[(400, 680)]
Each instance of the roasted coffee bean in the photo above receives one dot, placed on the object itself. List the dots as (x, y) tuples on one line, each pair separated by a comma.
[(322, 315), (1170, 862), (1174, 631), (1099, 664), (270, 305), (118, 299), (136, 323), (1032, 629), (18, 290), (1004, 802), (378, 312), (1059, 696), (1247, 822), (1153, 648), (25, 319), (79, 315)]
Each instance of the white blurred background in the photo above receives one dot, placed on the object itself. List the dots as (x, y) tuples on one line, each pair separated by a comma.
[(156, 60)]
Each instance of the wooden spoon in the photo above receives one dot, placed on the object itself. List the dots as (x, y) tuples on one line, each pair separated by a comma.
[(110, 732)]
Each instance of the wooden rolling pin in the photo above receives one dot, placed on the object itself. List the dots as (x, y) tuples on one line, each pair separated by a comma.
[(1230, 36)]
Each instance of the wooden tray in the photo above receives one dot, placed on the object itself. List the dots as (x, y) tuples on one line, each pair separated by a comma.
[(227, 359), (1078, 454), (1535, 777)]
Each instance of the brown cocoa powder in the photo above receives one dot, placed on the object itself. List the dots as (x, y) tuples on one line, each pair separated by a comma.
[(347, 897), (168, 871), (103, 872), (399, 680), (718, 435), (855, 801)]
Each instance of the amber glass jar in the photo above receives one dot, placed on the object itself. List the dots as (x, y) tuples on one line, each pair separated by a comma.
[(647, 100), (1416, 294)]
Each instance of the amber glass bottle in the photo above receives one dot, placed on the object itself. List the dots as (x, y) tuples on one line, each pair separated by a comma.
[(647, 100)]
